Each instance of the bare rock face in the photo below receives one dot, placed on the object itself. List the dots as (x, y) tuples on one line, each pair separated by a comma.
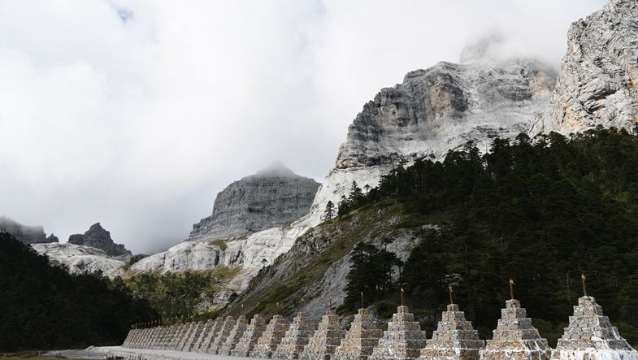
[(271, 198), (25, 234), (97, 237), (599, 78), (439, 109), (79, 259)]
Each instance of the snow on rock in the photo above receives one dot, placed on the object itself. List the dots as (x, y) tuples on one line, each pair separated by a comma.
[(81, 259)]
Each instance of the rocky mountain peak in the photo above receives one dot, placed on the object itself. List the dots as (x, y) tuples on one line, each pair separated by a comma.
[(99, 238), (273, 197), (599, 73), (25, 234)]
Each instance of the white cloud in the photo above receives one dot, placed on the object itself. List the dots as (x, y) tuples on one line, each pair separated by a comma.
[(135, 113)]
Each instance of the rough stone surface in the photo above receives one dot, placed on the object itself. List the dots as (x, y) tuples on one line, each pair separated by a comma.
[(250, 337), (361, 339), (590, 336), (25, 234), (324, 341), (296, 337), (270, 338), (233, 337), (208, 335), (99, 238), (453, 339), (271, 198), (599, 76), (80, 259), (221, 335), (515, 338), (404, 338)]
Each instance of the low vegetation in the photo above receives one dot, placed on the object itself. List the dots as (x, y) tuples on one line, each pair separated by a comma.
[(43, 307)]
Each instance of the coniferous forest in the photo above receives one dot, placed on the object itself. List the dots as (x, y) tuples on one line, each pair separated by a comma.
[(542, 211), (43, 307)]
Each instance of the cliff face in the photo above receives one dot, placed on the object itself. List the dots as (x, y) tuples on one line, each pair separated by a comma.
[(271, 198), (599, 76), (442, 107), (97, 237), (437, 110), (25, 234)]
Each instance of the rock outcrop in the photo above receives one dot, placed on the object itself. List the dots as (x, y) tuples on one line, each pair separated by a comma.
[(599, 76), (97, 237), (25, 234), (273, 197), (79, 259), (437, 110)]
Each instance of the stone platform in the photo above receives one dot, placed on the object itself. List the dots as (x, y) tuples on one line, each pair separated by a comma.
[(325, 340), (296, 338), (249, 340), (270, 338), (404, 338), (360, 340), (453, 339), (515, 338), (591, 336)]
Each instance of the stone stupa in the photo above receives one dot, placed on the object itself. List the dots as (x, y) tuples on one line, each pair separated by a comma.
[(454, 337), (514, 337), (404, 338), (591, 336)]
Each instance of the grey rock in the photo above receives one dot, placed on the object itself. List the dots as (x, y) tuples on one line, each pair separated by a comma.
[(437, 109), (97, 237), (273, 197), (599, 76), (25, 234)]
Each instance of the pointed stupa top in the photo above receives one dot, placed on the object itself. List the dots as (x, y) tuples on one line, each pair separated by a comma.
[(515, 337), (453, 339), (591, 336)]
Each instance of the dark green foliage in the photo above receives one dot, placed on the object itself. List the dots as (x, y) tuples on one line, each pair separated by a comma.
[(329, 212), (541, 211), (44, 307), (370, 275)]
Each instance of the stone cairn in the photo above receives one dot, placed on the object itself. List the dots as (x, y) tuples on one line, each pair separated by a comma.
[(590, 336), (323, 343), (248, 341), (296, 338), (270, 338), (187, 335), (361, 339), (233, 337), (221, 335), (208, 335), (404, 338), (453, 339), (515, 338), (193, 337)]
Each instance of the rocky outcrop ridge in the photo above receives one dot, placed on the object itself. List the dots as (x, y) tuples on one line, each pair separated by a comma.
[(273, 197), (599, 77), (97, 237), (439, 109), (25, 234), (79, 259)]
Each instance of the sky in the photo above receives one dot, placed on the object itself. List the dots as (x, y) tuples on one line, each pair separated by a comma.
[(135, 114)]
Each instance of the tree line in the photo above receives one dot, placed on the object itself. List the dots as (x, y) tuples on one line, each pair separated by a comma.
[(542, 211), (44, 307)]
